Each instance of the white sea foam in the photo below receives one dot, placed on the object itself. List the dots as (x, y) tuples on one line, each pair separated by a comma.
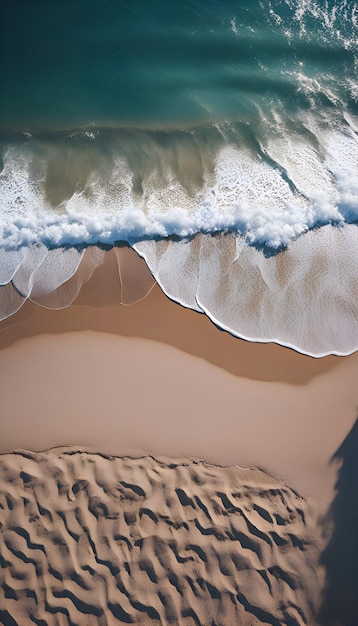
[(9, 263), (270, 198), (298, 191)]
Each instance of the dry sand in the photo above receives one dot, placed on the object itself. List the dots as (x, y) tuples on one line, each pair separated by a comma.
[(154, 378), (94, 540)]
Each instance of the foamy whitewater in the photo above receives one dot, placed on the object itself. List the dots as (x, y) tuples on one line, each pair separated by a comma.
[(217, 139)]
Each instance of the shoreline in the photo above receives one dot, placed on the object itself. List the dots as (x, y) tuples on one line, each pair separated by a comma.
[(97, 307)]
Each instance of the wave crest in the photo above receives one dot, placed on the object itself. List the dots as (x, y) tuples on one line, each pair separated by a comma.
[(131, 185)]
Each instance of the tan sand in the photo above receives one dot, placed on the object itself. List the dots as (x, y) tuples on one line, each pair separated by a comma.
[(154, 377), (99, 541)]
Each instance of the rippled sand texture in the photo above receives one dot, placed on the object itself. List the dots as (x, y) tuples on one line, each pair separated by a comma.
[(92, 539)]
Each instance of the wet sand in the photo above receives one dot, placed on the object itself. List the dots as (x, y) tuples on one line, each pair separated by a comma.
[(156, 378)]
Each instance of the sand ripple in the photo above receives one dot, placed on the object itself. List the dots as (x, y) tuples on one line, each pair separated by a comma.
[(88, 539)]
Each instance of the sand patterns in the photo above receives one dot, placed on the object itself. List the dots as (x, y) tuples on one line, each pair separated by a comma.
[(90, 539)]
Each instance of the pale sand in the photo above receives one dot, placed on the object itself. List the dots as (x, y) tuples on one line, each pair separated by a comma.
[(132, 382)]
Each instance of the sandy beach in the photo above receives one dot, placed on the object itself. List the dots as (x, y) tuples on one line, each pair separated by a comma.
[(156, 379), (178, 313)]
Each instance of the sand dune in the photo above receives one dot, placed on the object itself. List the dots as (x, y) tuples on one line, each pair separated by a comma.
[(93, 539)]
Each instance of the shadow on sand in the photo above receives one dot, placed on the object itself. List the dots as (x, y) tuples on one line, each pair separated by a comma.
[(340, 558)]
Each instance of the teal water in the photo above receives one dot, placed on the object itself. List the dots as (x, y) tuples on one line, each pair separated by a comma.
[(74, 63)]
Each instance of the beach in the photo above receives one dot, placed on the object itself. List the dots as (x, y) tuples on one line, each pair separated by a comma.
[(117, 390), (178, 313)]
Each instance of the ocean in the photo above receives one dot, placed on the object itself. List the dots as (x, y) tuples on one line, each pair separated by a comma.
[(218, 139)]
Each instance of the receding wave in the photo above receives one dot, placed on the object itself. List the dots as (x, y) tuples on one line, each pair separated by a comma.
[(304, 297)]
